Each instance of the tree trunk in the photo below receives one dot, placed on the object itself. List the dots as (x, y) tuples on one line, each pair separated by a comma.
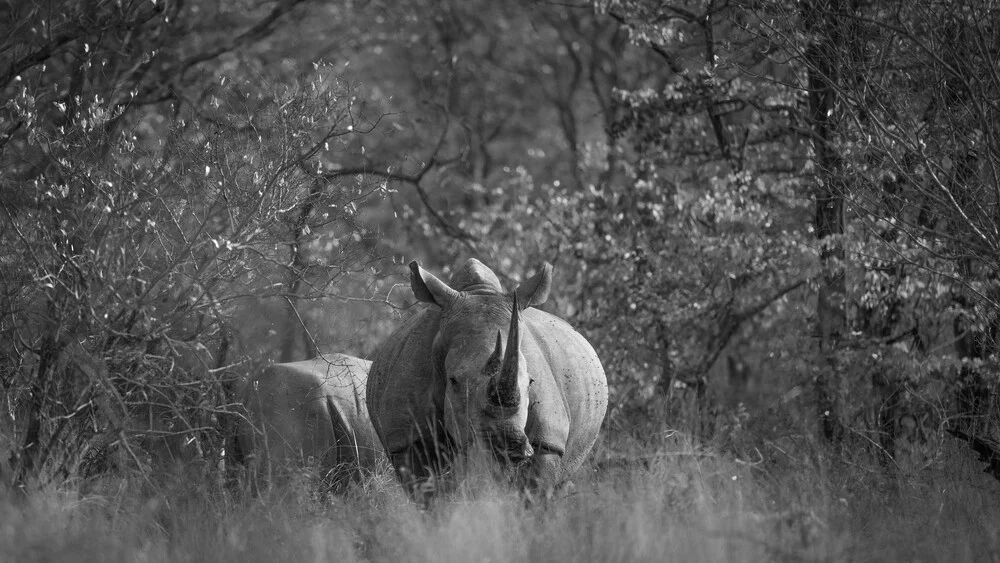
[(665, 384), (821, 58), (975, 343), (975, 330), (27, 463)]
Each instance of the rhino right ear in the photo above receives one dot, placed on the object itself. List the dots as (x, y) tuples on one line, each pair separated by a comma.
[(429, 289), (535, 290)]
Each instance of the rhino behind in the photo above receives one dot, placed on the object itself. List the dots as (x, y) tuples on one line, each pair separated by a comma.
[(310, 414)]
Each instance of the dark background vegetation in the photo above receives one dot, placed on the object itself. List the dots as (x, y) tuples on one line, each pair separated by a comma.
[(778, 222)]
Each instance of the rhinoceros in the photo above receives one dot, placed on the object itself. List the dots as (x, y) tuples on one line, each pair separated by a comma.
[(309, 414), (483, 369)]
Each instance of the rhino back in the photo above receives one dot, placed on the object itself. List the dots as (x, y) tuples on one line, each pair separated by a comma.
[(401, 382), (313, 408), (286, 402), (569, 395), (344, 383), (344, 388)]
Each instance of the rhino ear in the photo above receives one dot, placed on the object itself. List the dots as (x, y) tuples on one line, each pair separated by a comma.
[(429, 289), (535, 290)]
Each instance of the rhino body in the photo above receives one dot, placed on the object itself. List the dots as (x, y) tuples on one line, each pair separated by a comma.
[(444, 383), (309, 414)]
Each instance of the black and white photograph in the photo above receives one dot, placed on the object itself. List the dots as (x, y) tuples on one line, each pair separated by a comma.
[(482, 281)]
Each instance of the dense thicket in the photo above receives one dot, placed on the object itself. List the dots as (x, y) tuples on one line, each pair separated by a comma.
[(751, 206), (157, 182)]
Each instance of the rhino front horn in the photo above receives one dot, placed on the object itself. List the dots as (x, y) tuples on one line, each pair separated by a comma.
[(506, 392)]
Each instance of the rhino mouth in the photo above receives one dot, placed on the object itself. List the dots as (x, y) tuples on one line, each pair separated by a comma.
[(512, 450)]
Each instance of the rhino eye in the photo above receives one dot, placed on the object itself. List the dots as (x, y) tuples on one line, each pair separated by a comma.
[(453, 381)]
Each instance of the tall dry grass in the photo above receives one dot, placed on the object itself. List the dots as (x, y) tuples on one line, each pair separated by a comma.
[(679, 503)]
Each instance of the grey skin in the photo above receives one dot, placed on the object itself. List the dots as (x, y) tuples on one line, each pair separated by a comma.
[(310, 414), (482, 369)]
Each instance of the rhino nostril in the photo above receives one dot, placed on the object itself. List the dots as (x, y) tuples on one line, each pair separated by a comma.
[(509, 448), (520, 453)]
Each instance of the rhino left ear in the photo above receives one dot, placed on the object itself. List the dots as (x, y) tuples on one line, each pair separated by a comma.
[(535, 290), (429, 289)]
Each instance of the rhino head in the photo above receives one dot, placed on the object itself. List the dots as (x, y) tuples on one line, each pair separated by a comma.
[(477, 355)]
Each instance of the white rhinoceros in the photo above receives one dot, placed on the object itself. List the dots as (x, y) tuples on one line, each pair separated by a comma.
[(309, 414), (481, 369)]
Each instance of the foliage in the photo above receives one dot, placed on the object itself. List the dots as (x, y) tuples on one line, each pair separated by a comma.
[(133, 245), (676, 235), (173, 166), (913, 160), (702, 230)]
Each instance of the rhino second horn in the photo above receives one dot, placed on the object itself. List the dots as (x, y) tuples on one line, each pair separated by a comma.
[(507, 391), (495, 361)]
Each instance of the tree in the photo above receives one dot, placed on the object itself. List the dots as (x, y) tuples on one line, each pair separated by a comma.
[(910, 157), (821, 20)]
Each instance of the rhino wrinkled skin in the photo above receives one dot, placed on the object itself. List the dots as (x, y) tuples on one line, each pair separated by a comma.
[(483, 369), (310, 414)]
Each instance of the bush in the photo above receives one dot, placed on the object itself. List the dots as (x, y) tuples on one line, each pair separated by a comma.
[(135, 248)]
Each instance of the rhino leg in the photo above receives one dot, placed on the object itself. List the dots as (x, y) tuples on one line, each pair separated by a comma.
[(421, 465), (417, 468), (339, 466), (542, 477)]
